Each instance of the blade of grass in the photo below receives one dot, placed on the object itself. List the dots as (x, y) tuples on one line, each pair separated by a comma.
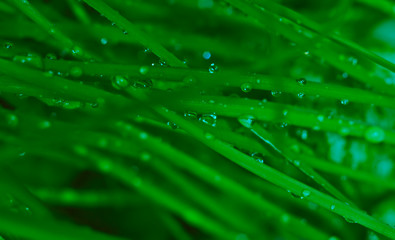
[(141, 37), (280, 179)]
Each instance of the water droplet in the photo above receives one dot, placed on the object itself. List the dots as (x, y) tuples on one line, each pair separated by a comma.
[(246, 87), (76, 72), (144, 70), (206, 55), (103, 41), (172, 125), (120, 82), (320, 118), (125, 32), (190, 115), (300, 95), (258, 157), (332, 207), (210, 119), (276, 93), (247, 121), (213, 68), (306, 193), (375, 134), (142, 83), (301, 81), (296, 162), (307, 53), (8, 45), (162, 63), (76, 51), (344, 101), (333, 238)]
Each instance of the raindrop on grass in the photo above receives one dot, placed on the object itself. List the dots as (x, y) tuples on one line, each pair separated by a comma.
[(206, 55), (247, 121), (120, 82), (258, 157), (332, 207), (145, 83), (8, 45), (172, 125), (344, 101), (276, 93), (190, 115), (103, 41), (209, 119), (374, 134), (213, 68), (246, 87), (301, 81), (300, 95), (306, 193)]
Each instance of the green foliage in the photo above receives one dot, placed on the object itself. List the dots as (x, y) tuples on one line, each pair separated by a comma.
[(202, 119)]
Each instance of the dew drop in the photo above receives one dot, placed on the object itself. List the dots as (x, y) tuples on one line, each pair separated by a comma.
[(190, 115), (374, 134), (8, 45), (145, 83), (120, 82), (172, 125), (276, 93), (209, 119), (301, 81), (300, 95), (333, 207), (213, 68), (103, 41), (258, 157), (247, 121), (76, 51), (344, 101), (306, 193), (246, 87), (320, 118), (206, 55)]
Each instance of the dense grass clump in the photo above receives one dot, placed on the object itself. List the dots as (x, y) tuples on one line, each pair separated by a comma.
[(199, 119)]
